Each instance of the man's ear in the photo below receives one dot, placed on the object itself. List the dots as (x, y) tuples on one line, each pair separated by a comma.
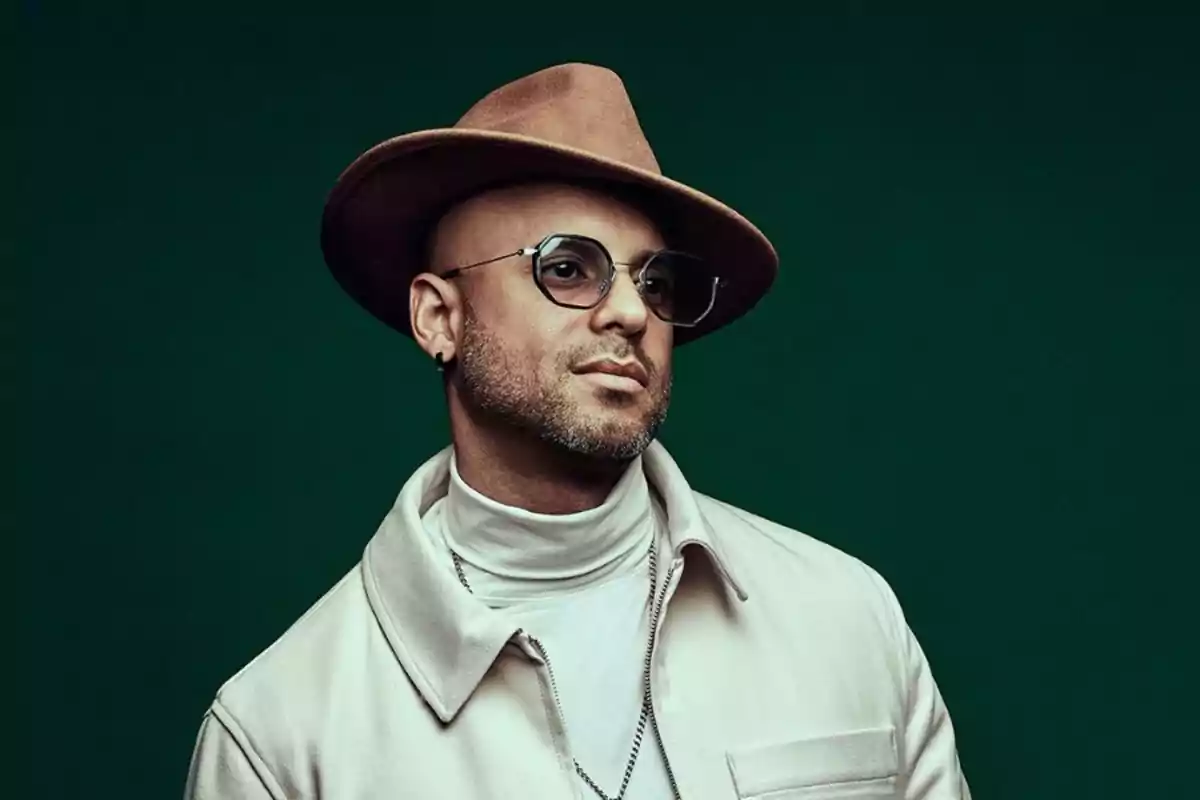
[(435, 312)]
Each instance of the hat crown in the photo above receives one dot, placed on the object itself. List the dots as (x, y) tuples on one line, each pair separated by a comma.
[(582, 106)]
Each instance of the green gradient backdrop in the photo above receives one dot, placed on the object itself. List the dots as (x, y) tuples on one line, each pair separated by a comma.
[(977, 372)]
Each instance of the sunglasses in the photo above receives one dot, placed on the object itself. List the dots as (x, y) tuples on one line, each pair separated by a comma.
[(578, 272)]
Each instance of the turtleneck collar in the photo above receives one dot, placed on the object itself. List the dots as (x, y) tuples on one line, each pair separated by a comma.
[(510, 553)]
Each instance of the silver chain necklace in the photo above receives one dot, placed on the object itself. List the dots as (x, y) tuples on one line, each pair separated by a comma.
[(647, 705)]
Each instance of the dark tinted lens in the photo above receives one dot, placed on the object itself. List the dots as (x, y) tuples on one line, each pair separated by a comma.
[(678, 287), (573, 271)]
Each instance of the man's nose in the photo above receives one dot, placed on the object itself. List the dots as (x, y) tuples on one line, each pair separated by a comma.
[(623, 306)]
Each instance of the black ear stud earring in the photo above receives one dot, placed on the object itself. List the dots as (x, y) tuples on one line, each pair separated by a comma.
[(440, 360)]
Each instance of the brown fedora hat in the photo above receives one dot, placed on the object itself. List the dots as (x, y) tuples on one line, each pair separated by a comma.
[(572, 122)]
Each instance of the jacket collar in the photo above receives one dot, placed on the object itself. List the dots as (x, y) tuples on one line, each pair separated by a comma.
[(445, 638)]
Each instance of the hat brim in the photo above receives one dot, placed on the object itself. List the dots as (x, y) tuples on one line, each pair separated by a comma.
[(379, 214)]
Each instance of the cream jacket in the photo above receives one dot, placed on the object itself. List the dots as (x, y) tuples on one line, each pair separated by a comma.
[(783, 669)]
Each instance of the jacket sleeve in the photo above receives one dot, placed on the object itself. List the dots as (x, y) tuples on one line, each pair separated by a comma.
[(223, 765), (929, 753)]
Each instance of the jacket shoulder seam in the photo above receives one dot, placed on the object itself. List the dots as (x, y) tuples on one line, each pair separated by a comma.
[(278, 643), (262, 770), (887, 597)]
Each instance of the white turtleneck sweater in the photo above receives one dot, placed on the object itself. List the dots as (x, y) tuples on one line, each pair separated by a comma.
[(580, 583)]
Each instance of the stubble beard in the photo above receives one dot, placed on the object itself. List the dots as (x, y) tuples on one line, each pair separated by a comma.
[(498, 388)]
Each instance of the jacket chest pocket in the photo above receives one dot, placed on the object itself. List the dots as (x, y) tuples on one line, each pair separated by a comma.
[(854, 765)]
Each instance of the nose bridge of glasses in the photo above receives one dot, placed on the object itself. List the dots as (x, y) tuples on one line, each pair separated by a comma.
[(614, 278), (635, 271)]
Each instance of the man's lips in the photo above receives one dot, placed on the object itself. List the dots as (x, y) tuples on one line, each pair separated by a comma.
[(626, 369)]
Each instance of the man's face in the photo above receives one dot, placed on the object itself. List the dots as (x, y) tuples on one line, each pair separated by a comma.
[(528, 364)]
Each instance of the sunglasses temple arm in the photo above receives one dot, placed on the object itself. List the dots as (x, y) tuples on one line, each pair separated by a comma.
[(456, 271)]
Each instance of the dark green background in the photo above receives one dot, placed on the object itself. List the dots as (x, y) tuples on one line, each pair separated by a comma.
[(977, 371)]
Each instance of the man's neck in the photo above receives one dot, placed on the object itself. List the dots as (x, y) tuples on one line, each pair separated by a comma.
[(534, 475)]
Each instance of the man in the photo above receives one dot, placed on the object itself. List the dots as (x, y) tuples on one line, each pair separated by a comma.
[(548, 610)]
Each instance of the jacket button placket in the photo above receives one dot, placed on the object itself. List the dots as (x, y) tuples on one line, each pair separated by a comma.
[(558, 729), (660, 687)]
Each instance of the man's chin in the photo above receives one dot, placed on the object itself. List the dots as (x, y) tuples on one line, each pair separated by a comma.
[(609, 445), (615, 431), (620, 452)]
